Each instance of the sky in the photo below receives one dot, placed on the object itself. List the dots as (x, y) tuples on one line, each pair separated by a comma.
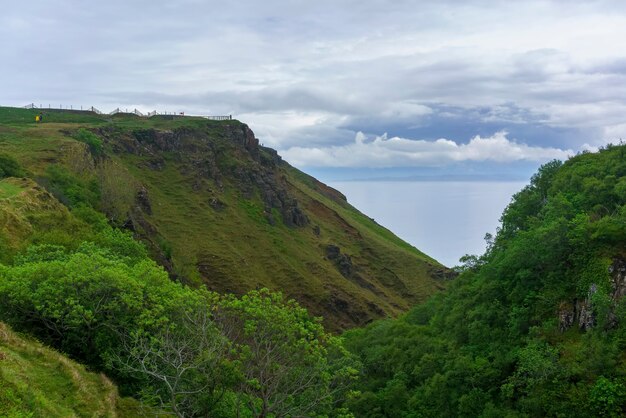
[(365, 88)]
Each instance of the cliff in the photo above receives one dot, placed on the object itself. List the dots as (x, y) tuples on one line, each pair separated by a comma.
[(214, 208)]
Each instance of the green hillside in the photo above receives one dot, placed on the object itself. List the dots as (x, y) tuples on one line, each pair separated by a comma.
[(536, 327), (36, 381), (532, 328), (212, 206)]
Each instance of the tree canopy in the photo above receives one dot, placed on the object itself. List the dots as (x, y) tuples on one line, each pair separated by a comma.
[(534, 327)]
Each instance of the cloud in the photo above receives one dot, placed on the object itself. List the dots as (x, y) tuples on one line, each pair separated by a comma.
[(615, 133), (382, 151), (310, 75)]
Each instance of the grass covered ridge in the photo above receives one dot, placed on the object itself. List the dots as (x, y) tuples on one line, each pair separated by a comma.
[(36, 381)]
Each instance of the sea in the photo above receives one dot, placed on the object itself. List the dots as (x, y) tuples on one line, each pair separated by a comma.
[(444, 219)]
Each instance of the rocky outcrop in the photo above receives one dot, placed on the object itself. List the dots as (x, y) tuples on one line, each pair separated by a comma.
[(347, 269), (617, 270), (566, 315), (143, 200), (342, 261), (578, 312), (242, 135), (273, 191), (442, 274), (581, 312), (293, 215), (586, 315), (236, 156)]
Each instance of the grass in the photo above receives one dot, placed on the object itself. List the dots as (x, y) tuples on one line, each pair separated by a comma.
[(36, 381), (233, 249), (9, 189), (242, 251), (32, 216), (11, 116)]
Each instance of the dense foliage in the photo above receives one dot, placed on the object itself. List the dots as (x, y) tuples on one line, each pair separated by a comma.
[(188, 351), (534, 327)]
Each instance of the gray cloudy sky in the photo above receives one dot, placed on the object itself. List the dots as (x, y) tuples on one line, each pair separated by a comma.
[(365, 83)]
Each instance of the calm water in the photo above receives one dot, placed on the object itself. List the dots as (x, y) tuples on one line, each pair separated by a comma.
[(446, 220)]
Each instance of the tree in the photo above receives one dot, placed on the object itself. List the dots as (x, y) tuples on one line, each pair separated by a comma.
[(291, 367), (607, 398), (82, 301), (186, 362)]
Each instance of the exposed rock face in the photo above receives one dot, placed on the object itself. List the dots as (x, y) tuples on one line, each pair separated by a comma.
[(346, 267), (203, 159), (342, 261), (143, 201), (578, 312), (567, 316), (586, 316), (293, 215), (618, 278), (581, 311), (443, 274), (270, 157), (243, 135)]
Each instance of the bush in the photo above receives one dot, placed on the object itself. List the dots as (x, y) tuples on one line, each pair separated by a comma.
[(69, 189), (607, 398), (290, 365), (81, 302), (87, 137), (9, 167), (191, 352)]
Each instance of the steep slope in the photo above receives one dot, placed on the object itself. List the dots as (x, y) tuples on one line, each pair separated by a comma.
[(216, 208), (535, 327), (36, 381)]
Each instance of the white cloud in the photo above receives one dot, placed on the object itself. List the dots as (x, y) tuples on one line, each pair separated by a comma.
[(311, 74), (614, 133), (382, 151)]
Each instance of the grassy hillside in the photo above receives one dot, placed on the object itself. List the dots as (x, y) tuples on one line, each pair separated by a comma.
[(36, 381), (213, 207)]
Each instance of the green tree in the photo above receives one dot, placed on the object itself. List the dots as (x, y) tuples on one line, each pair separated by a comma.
[(185, 362), (81, 301), (608, 398), (290, 365)]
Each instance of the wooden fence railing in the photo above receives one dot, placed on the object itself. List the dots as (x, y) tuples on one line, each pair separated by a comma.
[(134, 111)]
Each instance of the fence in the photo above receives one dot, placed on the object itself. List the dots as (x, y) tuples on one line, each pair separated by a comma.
[(229, 117), (126, 111)]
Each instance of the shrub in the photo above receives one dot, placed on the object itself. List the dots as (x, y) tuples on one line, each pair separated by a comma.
[(92, 140), (9, 167)]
